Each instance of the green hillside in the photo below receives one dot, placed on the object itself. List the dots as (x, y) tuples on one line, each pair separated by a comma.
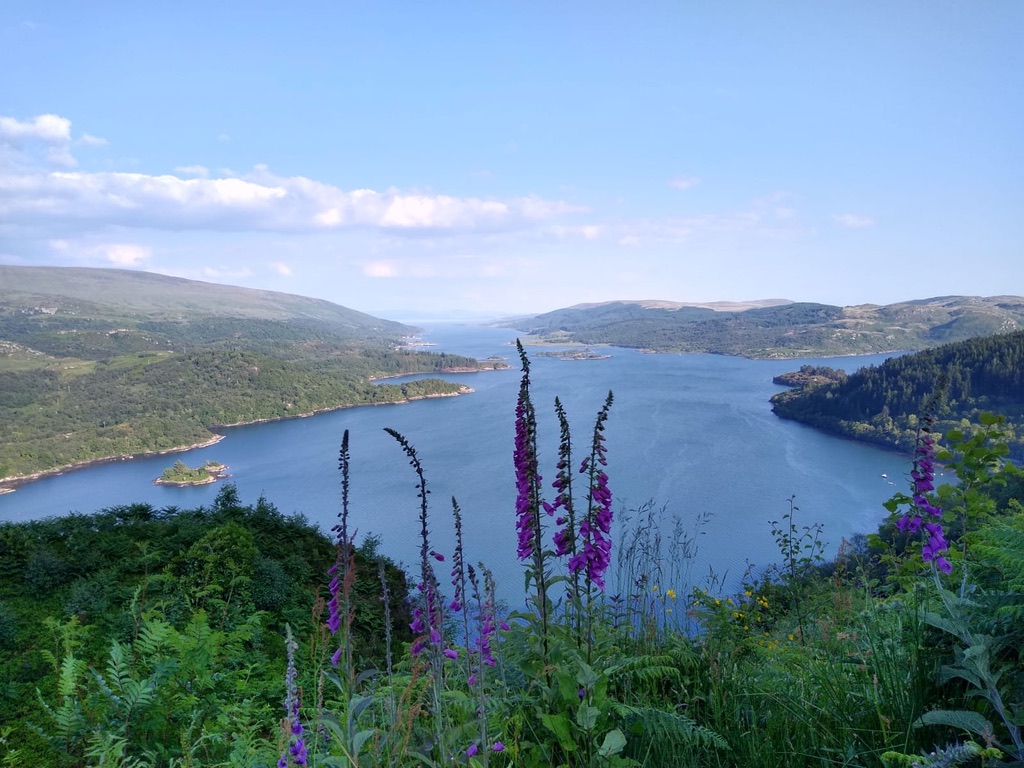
[(99, 363), (775, 329), (882, 403), (133, 296)]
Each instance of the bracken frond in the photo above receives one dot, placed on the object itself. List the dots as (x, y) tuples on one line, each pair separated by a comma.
[(649, 730)]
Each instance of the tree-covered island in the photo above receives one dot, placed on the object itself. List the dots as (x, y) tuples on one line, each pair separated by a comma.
[(181, 475)]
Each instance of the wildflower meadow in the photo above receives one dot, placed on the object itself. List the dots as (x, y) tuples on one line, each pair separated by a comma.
[(903, 649)]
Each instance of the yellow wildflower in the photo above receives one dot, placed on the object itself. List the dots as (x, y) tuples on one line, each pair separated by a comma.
[(671, 594)]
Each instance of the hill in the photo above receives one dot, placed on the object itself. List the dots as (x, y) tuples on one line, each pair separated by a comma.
[(882, 403), (98, 363), (775, 328)]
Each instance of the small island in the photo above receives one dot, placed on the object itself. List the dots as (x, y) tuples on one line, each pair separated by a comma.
[(181, 475), (579, 353)]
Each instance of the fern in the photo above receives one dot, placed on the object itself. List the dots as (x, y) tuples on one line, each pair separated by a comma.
[(657, 729), (1000, 546), (648, 669), (154, 635)]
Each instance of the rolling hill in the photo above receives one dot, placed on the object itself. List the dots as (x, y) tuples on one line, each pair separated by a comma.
[(99, 363), (776, 328)]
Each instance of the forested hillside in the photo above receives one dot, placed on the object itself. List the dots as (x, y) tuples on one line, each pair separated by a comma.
[(883, 403), (206, 591), (779, 329), (103, 363)]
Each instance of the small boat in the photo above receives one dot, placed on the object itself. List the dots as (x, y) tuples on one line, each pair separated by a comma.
[(885, 475)]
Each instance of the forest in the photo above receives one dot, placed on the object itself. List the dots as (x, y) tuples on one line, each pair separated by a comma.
[(883, 403), (104, 363)]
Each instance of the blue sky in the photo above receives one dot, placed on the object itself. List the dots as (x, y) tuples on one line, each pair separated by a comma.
[(418, 159)]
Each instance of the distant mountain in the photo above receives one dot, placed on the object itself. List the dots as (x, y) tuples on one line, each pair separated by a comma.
[(134, 296), (97, 363), (776, 328), (882, 403)]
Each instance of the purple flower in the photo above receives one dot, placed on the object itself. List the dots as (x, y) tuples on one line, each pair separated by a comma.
[(528, 479), (297, 747), (498, 746), (451, 653), (565, 537), (594, 555), (923, 477), (472, 750)]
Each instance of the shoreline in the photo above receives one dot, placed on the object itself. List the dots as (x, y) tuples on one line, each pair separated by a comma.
[(12, 483)]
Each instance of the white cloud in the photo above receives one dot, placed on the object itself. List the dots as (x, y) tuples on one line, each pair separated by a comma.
[(125, 254), (281, 268), (196, 171), (853, 220), (226, 274), (118, 254), (380, 269), (88, 140), (48, 128), (684, 182), (53, 131), (257, 201)]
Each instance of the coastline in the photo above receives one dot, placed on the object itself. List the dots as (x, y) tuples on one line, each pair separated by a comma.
[(11, 484)]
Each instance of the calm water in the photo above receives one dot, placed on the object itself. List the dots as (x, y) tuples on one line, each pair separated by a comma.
[(692, 432)]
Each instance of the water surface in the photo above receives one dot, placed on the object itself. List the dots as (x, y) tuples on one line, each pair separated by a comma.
[(694, 433)]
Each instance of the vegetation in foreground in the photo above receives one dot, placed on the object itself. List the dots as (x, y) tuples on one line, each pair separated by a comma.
[(231, 650)]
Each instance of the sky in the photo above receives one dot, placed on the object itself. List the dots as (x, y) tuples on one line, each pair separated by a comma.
[(422, 160)]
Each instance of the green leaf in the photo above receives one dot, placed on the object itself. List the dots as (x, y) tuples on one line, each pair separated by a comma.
[(559, 726), (956, 718), (586, 716), (614, 742), (586, 677)]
